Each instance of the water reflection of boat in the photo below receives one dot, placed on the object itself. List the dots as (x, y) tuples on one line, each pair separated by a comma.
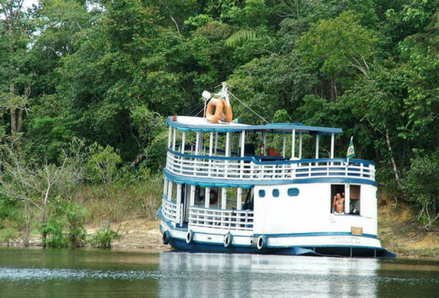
[(252, 275), (231, 187)]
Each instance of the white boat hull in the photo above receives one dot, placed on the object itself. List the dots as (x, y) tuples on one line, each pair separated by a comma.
[(330, 244)]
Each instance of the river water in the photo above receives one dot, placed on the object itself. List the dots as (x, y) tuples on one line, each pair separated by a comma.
[(108, 273)]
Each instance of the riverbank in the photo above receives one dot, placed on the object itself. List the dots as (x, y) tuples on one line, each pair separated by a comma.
[(402, 234), (136, 233)]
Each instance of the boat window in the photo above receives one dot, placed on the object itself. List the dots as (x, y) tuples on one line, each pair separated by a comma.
[(275, 193), (355, 199), (337, 192), (353, 196), (293, 192), (262, 193)]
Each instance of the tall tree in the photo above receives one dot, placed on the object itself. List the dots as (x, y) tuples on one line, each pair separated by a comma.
[(338, 46), (15, 83), (421, 68)]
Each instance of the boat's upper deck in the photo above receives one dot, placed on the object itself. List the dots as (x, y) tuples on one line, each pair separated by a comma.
[(237, 154)]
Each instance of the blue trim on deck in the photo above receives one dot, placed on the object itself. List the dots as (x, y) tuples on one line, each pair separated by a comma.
[(247, 183)]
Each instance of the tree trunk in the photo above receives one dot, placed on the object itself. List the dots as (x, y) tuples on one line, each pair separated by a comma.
[(392, 160), (43, 223), (27, 223)]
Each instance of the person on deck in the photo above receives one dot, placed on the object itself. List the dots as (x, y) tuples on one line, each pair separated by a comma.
[(338, 204)]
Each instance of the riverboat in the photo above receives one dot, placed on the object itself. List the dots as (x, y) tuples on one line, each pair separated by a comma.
[(231, 187)]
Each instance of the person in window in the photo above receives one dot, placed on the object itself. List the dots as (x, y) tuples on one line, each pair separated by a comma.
[(338, 204)]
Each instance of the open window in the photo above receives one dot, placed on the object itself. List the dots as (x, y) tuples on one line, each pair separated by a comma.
[(351, 197), (355, 199)]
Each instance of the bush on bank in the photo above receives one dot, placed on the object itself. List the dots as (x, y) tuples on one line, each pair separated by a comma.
[(87, 185)]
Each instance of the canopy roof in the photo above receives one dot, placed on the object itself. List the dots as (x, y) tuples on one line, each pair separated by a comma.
[(187, 123)]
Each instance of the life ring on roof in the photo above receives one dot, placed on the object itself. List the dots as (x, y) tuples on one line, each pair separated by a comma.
[(219, 104)]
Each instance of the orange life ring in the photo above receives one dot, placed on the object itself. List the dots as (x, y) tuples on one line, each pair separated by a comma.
[(229, 114), (213, 197), (219, 104)]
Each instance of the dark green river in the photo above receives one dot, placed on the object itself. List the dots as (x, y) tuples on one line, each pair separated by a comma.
[(103, 273)]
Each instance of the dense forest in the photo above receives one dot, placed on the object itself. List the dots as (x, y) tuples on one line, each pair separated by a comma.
[(86, 86)]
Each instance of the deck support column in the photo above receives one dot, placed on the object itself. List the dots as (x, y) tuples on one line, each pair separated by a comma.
[(170, 190), (317, 146), (174, 140), (210, 162), (241, 165), (239, 198), (347, 198), (179, 218), (183, 140), (223, 198), (228, 145), (300, 145), (192, 197), (170, 138), (293, 144), (207, 197), (165, 187), (197, 143), (216, 143), (284, 144), (332, 144), (211, 144)]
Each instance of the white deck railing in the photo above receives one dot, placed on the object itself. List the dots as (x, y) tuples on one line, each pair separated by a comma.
[(170, 210), (238, 220), (266, 167)]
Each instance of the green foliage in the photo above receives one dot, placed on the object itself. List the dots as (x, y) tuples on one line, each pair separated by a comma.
[(104, 238), (281, 116), (420, 52), (251, 15), (53, 229), (238, 38), (421, 185), (76, 216), (64, 227), (198, 21), (338, 45), (9, 210), (8, 235), (102, 165), (378, 103)]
